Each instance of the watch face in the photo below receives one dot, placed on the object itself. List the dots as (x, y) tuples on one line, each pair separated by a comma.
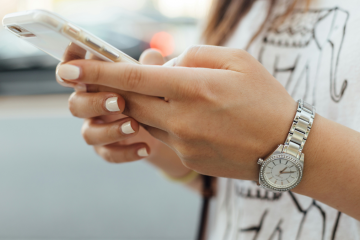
[(281, 172)]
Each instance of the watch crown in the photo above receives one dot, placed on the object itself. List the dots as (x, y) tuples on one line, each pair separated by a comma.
[(260, 161)]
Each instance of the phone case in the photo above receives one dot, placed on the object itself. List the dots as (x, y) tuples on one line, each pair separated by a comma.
[(59, 38)]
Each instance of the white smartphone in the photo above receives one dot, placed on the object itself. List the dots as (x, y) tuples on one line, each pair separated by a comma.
[(59, 38)]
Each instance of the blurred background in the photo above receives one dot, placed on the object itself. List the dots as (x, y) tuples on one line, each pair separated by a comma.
[(52, 185)]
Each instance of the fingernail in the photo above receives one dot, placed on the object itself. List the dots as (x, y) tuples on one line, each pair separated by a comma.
[(112, 104), (142, 152), (68, 72), (126, 128), (80, 87), (59, 78), (62, 82)]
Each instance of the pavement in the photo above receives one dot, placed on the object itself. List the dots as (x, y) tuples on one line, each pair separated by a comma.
[(53, 186)]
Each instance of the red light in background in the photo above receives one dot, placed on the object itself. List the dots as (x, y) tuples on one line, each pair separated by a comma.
[(163, 42)]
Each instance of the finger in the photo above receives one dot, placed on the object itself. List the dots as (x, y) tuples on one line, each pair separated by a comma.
[(88, 105), (148, 110), (170, 63), (123, 153), (73, 52), (93, 57), (158, 134), (79, 87), (149, 80), (213, 57), (95, 133), (151, 57)]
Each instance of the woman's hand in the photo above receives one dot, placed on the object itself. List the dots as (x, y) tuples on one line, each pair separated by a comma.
[(223, 109), (116, 137)]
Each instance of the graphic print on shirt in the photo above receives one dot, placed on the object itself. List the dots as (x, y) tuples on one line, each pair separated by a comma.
[(299, 43), (292, 52), (306, 209), (310, 53)]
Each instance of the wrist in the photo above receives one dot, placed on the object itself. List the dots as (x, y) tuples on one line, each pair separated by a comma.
[(283, 169)]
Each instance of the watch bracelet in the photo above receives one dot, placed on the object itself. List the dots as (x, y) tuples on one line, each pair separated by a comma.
[(300, 129), (297, 135)]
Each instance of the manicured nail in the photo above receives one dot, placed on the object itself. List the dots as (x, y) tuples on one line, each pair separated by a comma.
[(142, 152), (59, 78), (80, 87), (62, 82), (68, 72), (126, 128), (112, 104)]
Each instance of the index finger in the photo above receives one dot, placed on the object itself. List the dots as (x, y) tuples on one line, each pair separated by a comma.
[(149, 80)]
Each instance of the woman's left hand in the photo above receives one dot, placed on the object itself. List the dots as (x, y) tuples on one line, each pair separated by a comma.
[(222, 109)]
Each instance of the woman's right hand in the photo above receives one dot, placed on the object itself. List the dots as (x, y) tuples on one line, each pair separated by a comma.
[(130, 142)]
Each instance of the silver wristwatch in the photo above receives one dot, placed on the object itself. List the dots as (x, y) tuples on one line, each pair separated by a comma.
[(283, 169)]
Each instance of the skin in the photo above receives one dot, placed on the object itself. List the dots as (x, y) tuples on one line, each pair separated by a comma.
[(223, 112), (108, 140)]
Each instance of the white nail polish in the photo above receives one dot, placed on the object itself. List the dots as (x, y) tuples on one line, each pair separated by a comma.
[(59, 78), (63, 83), (112, 104), (68, 72), (142, 152), (126, 128)]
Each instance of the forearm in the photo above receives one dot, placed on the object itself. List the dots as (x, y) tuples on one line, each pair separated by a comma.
[(332, 166)]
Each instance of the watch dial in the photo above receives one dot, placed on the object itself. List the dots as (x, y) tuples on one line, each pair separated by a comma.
[(281, 173)]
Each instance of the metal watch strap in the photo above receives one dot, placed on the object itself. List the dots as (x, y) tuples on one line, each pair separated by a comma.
[(300, 129)]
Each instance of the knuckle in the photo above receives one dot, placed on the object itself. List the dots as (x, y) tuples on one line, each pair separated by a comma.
[(127, 157), (133, 77), (72, 105), (113, 132), (193, 50), (191, 53), (199, 91), (97, 70), (97, 105), (236, 56), (107, 155), (85, 134)]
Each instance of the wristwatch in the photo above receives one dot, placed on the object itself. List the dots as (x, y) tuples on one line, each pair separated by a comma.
[(283, 169)]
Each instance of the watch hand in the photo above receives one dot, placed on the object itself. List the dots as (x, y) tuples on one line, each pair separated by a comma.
[(283, 169), (287, 172)]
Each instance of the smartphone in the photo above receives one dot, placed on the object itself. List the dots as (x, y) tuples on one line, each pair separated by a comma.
[(59, 38)]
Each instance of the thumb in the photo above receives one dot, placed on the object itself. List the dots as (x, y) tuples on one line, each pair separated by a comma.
[(151, 57), (214, 57)]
